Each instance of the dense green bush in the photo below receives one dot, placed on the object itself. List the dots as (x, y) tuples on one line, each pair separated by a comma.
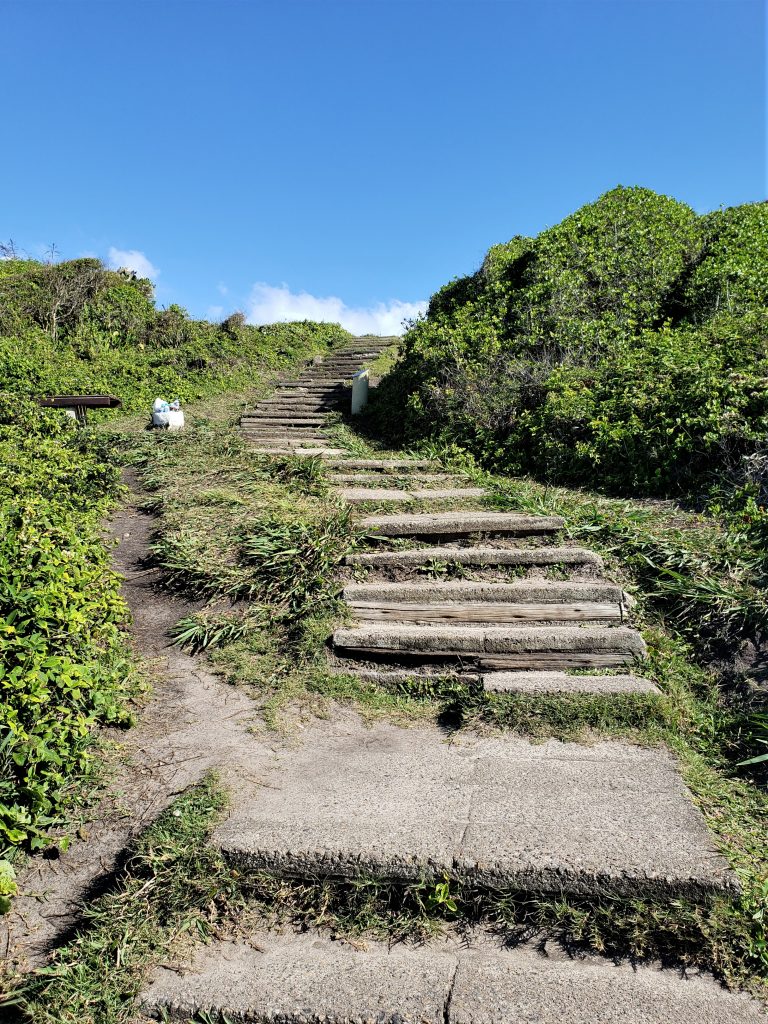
[(76, 327), (63, 665), (625, 349)]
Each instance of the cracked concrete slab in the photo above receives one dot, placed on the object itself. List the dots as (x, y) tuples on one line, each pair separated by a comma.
[(298, 978), (400, 803)]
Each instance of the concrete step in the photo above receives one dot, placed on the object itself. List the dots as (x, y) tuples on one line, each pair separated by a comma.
[(537, 683), (479, 612), (375, 479), (290, 978), (356, 495), (286, 442), (307, 450), (393, 677), (384, 465), (299, 419), (384, 802), (495, 647), (522, 683), (518, 591), (476, 556), (460, 524)]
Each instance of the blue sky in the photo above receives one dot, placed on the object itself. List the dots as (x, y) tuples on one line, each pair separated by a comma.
[(344, 158)]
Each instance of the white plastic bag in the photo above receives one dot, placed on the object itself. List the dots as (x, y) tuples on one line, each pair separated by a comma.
[(167, 416)]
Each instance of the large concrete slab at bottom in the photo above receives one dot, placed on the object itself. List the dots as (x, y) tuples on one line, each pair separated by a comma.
[(295, 979), (401, 803)]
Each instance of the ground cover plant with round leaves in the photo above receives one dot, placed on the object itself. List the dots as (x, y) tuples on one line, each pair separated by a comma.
[(64, 668)]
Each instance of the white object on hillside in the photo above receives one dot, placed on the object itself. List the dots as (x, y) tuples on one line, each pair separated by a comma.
[(167, 416), (359, 391)]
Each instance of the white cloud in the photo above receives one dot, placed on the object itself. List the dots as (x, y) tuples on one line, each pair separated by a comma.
[(269, 304), (134, 260)]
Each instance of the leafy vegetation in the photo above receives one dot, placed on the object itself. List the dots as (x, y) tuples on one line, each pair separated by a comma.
[(63, 663), (76, 327), (623, 349)]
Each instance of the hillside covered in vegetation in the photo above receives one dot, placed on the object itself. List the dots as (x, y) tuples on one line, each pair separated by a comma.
[(624, 349), (76, 327)]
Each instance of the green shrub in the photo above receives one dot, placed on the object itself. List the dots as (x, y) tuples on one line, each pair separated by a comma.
[(63, 664), (76, 327), (624, 349)]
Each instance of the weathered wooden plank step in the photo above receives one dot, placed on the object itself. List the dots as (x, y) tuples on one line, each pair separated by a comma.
[(315, 380), (371, 611), (289, 978), (476, 556), (385, 465), (297, 397), (308, 451), (540, 591), (454, 641), (375, 479), (308, 381), (536, 683), (291, 429), (287, 436), (300, 408), (285, 441), (357, 495), (301, 386), (391, 803), (457, 524), (298, 419)]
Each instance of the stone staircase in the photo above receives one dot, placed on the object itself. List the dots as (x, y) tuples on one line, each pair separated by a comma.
[(291, 421), (499, 600)]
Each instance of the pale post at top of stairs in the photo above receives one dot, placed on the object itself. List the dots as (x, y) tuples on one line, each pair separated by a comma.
[(359, 391)]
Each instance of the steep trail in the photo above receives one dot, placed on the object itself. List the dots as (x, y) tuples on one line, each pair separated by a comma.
[(501, 602)]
